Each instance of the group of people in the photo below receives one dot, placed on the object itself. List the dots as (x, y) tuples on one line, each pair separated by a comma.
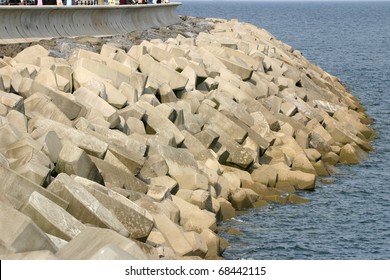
[(77, 2), (150, 1)]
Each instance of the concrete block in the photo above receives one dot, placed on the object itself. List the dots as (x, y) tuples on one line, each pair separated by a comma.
[(156, 121), (350, 118), (266, 175), (345, 133), (162, 73), (129, 92), (215, 118), (321, 168), (255, 106), (18, 120), (126, 60), (169, 209), (303, 107), (300, 180), (207, 137), (101, 244), (9, 134), (128, 151), (26, 150), (114, 97), (173, 234), (64, 101), (213, 243), (113, 160), (18, 189), (51, 218), (202, 199), (230, 107), (192, 218), (31, 54), (165, 94), (135, 219), (155, 166), (135, 126), (159, 54), (239, 199), (237, 155), (210, 61), (117, 177), (351, 154), (3, 111), (103, 70), (87, 98), (83, 205), (313, 155), (47, 77), (302, 163), (288, 109), (36, 173), (183, 168), (34, 255), (158, 193), (12, 101), (186, 117), (199, 245), (40, 106), (260, 138), (73, 160), (330, 158), (227, 210), (90, 144), (164, 181), (63, 70), (238, 68), (19, 234)]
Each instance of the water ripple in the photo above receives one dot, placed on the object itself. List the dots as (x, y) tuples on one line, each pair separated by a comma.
[(349, 219)]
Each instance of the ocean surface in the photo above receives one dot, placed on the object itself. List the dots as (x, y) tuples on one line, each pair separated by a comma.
[(349, 219)]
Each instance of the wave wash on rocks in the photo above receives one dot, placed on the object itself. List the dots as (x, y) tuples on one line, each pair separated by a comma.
[(139, 154)]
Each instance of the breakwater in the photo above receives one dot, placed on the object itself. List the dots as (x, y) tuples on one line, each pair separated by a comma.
[(144, 151), (32, 23)]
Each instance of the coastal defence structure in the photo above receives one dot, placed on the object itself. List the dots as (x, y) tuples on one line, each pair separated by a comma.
[(32, 23), (138, 154)]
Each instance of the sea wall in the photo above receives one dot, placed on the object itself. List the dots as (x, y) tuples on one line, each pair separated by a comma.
[(142, 152), (33, 23)]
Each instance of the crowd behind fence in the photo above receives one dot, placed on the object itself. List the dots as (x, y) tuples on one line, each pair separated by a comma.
[(80, 2)]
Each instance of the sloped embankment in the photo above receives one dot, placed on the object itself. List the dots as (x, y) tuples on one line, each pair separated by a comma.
[(141, 153)]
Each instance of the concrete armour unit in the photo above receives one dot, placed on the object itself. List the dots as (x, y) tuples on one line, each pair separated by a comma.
[(32, 23)]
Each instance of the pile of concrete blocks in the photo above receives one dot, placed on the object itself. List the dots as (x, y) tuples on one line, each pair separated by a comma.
[(140, 154)]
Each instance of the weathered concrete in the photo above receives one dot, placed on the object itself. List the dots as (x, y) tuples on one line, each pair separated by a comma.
[(192, 218), (95, 242), (83, 205), (40, 105), (18, 189), (90, 144), (65, 21), (232, 119), (156, 122), (117, 177), (73, 160), (183, 168), (19, 234), (52, 218), (136, 220)]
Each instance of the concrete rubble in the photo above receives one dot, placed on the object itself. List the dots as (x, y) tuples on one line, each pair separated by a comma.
[(139, 153)]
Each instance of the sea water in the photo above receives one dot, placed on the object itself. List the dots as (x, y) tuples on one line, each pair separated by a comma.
[(349, 219)]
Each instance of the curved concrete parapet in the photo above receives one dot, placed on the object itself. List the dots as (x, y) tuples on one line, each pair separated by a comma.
[(31, 23)]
